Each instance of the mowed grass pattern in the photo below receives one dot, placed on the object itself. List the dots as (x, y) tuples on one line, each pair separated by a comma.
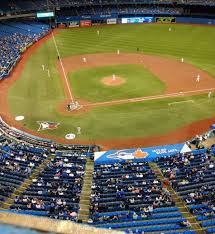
[(87, 83), (193, 43), (36, 96)]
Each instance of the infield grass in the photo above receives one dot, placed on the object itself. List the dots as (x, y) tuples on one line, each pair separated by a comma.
[(87, 83), (36, 96)]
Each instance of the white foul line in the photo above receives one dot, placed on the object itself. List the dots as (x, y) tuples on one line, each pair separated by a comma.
[(141, 99), (199, 90), (172, 103), (64, 73)]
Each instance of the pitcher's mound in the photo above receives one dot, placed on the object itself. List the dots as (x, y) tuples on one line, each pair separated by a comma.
[(109, 81)]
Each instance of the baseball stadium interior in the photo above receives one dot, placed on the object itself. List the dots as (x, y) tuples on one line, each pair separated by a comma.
[(55, 187)]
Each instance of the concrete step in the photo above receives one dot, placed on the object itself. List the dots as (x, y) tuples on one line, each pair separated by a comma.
[(85, 198), (85, 202)]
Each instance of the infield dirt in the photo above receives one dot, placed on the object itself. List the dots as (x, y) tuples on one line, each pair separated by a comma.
[(110, 81)]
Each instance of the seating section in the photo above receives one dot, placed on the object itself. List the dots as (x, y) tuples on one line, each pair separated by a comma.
[(192, 175), (128, 196), (16, 164), (15, 37), (125, 196), (94, 6), (57, 191), (30, 5), (96, 10)]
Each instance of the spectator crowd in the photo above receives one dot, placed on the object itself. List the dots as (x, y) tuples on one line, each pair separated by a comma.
[(14, 39), (192, 175)]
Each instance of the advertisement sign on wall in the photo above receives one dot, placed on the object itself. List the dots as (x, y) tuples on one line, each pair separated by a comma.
[(165, 19), (66, 19), (85, 23), (134, 20), (73, 24), (112, 21), (141, 154)]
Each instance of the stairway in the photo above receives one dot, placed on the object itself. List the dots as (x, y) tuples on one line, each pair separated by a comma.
[(84, 203), (20, 190), (195, 225)]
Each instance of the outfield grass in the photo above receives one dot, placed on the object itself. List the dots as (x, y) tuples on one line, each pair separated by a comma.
[(193, 43), (86, 83), (35, 95)]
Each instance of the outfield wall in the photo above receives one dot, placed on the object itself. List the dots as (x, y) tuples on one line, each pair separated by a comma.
[(91, 20), (195, 20), (144, 154)]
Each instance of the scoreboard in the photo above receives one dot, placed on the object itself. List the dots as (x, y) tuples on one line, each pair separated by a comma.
[(45, 14)]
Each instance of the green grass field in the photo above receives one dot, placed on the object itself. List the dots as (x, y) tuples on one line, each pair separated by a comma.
[(86, 83), (36, 96)]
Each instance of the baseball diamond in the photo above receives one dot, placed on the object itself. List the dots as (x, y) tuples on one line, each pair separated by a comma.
[(107, 118), (155, 70)]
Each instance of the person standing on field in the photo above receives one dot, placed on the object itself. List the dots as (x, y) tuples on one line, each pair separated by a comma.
[(209, 94), (198, 78)]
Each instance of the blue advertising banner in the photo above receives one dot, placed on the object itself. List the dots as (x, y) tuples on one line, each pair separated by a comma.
[(141, 154), (190, 20), (135, 19), (65, 19)]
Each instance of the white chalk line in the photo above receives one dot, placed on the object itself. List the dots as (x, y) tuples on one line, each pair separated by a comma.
[(63, 69), (140, 99), (173, 103)]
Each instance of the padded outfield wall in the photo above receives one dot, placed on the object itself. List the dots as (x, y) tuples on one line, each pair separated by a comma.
[(75, 21)]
